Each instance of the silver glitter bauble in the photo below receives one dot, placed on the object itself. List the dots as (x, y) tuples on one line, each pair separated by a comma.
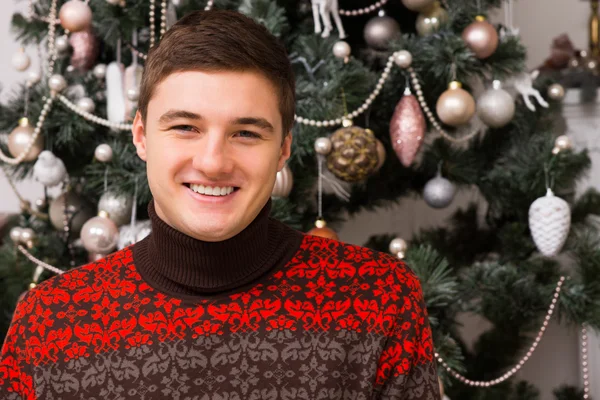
[(20, 60), (86, 104), (20, 138), (417, 5), (439, 192), (100, 71), (341, 49), (15, 234), (398, 247), (117, 207), (103, 153), (133, 94), (129, 234), (80, 210), (100, 234), (496, 107), (34, 76), (62, 43), (57, 83), (556, 91), (323, 146), (403, 58), (379, 31)]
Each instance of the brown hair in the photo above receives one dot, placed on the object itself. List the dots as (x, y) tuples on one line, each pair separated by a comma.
[(220, 40)]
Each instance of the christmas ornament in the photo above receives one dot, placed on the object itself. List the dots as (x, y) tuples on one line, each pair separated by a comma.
[(323, 146), (79, 211), (85, 50), (549, 222), (61, 43), (103, 153), (325, 9), (133, 95), (283, 183), (86, 104), (130, 234), (481, 37), (21, 61), (57, 82), (439, 192), (342, 50), (380, 30), (117, 206), (524, 85), (15, 234), (100, 234), (403, 58), (34, 77), (100, 71), (561, 143), (49, 170), (41, 203), (495, 106), (354, 154), (27, 236), (430, 19), (455, 106), (133, 78), (417, 5), (115, 92), (116, 2), (75, 15), (407, 128), (19, 139), (380, 155), (398, 247), (556, 91), (322, 230)]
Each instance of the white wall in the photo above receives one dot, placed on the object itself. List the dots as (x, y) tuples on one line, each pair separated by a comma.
[(556, 360)]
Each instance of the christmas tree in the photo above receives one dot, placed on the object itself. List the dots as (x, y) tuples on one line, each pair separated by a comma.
[(385, 109)]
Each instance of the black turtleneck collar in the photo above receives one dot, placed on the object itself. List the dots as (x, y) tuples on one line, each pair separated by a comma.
[(179, 264)]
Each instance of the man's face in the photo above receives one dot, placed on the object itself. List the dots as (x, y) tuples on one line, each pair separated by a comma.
[(209, 130)]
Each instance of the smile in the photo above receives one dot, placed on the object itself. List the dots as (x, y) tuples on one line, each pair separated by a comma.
[(211, 190)]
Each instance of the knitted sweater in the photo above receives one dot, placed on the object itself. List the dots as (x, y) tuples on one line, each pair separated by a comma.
[(298, 317)]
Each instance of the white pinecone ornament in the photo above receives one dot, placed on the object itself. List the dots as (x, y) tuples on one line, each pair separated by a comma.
[(549, 222)]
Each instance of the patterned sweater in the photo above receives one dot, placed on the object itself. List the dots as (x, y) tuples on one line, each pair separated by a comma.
[(325, 320)]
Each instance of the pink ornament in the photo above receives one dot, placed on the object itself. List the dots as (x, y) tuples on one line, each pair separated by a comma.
[(85, 50), (75, 15), (407, 128)]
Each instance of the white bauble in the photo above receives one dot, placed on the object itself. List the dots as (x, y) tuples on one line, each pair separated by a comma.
[(21, 61), (549, 222), (49, 169), (129, 234)]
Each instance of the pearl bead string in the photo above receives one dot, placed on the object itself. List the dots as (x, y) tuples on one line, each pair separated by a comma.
[(163, 18), (366, 10), (584, 363), (36, 132), (429, 113), (152, 33), (338, 121), (52, 53), (93, 118), (38, 262), (523, 360)]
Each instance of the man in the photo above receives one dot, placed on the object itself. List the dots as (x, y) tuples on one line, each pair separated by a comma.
[(220, 301)]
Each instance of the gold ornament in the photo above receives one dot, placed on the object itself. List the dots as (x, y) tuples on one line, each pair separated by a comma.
[(354, 154), (455, 106), (417, 5), (322, 230), (380, 155), (481, 37), (431, 18), (556, 91), (19, 139)]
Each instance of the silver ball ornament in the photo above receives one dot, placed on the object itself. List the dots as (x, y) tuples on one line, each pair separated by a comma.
[(403, 58), (86, 104), (496, 107), (57, 83), (100, 71), (379, 31), (33, 77), (62, 43), (15, 234), (439, 192), (27, 235), (78, 208), (133, 94), (283, 183), (103, 153), (398, 247), (129, 234), (100, 234), (341, 49), (323, 146), (556, 91), (118, 207), (75, 15), (20, 60), (563, 142)]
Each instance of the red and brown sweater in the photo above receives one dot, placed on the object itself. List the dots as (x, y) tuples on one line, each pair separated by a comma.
[(268, 314)]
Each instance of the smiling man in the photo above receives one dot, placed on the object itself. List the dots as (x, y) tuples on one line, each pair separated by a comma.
[(220, 301)]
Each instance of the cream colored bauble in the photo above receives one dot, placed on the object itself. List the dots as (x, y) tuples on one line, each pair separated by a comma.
[(75, 15)]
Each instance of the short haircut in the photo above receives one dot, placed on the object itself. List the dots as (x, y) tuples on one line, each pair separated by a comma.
[(221, 40)]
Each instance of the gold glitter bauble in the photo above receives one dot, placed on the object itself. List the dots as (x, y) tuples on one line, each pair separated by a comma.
[(354, 154)]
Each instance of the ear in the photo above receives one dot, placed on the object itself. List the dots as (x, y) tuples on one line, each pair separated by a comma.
[(286, 151), (139, 136)]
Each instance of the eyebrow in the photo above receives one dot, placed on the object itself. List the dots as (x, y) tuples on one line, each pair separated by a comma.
[(172, 115)]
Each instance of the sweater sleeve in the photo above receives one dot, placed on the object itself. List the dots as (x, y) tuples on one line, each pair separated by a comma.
[(407, 368), (14, 382)]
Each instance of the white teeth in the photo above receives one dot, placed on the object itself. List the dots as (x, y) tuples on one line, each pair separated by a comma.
[(211, 191)]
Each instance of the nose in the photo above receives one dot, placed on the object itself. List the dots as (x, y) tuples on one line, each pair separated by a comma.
[(212, 156)]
